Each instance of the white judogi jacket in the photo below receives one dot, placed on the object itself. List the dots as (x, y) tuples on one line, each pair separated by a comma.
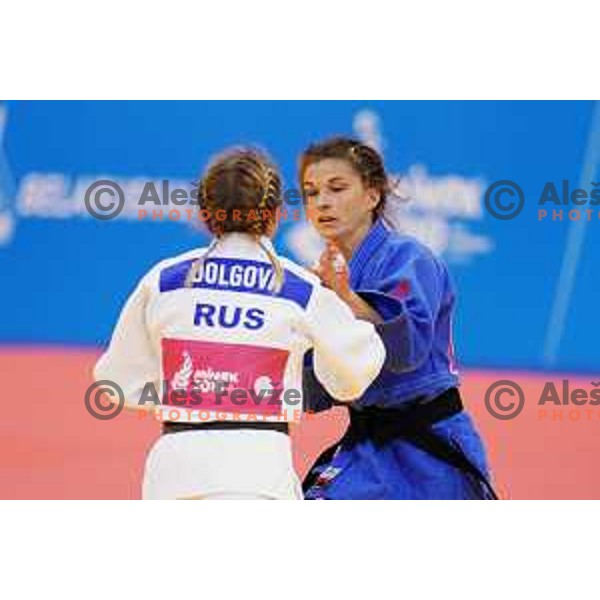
[(191, 347)]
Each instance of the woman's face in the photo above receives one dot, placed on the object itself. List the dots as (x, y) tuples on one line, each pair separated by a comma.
[(338, 203)]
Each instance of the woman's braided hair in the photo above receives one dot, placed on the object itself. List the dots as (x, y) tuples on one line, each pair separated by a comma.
[(241, 192), (364, 159)]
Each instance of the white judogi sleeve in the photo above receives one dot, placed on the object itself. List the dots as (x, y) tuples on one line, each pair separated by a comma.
[(131, 360), (348, 352)]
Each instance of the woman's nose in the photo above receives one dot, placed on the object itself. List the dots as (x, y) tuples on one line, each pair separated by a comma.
[(322, 201)]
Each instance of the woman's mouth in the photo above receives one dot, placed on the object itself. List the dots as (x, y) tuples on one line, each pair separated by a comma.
[(325, 220)]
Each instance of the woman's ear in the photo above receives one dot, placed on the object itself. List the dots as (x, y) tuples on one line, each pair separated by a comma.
[(373, 196)]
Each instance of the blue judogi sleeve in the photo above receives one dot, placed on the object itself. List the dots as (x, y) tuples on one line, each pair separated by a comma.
[(408, 298)]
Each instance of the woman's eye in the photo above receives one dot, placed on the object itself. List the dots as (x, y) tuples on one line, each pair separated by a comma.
[(337, 188), (310, 193)]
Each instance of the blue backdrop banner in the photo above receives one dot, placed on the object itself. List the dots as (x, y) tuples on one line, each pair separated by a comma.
[(527, 283)]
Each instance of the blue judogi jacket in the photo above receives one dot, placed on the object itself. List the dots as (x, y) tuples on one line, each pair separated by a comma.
[(411, 290)]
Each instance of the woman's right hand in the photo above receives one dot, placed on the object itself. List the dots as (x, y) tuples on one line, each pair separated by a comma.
[(332, 270)]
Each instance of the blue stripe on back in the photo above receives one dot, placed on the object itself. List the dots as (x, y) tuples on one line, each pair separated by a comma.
[(296, 289)]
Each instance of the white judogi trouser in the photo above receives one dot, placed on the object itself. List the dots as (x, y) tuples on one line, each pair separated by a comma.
[(221, 464)]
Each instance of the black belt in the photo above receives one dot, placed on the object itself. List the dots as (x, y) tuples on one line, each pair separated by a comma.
[(175, 427), (412, 424), (394, 422)]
